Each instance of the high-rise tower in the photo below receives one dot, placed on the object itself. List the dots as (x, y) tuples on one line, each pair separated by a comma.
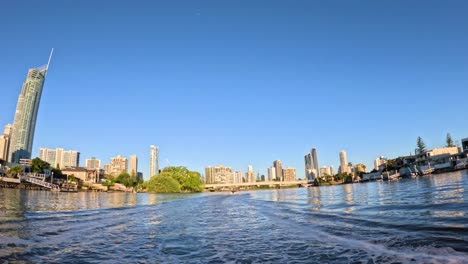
[(154, 164), (344, 162), (133, 165), (5, 142), (279, 169), (26, 113), (311, 165)]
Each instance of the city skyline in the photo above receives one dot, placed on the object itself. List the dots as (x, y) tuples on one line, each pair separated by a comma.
[(337, 61)]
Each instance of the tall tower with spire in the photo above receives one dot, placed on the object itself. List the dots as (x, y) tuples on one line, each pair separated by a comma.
[(26, 114)]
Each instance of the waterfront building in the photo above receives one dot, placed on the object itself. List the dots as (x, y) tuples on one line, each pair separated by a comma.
[(5, 142), (27, 107), (344, 162), (442, 151), (250, 175), (311, 165), (154, 161), (118, 165), (378, 162), (93, 163), (464, 144), (289, 174), (84, 174), (359, 168), (279, 169), (133, 165), (271, 173), (60, 158), (434, 157), (332, 171), (219, 175)]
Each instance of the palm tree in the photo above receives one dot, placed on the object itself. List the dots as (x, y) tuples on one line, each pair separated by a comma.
[(14, 171)]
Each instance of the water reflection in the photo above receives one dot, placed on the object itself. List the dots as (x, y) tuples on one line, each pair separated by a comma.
[(14, 202)]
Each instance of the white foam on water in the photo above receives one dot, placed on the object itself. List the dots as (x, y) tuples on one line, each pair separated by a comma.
[(423, 254)]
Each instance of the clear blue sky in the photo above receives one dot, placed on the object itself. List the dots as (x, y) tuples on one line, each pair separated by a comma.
[(240, 82)]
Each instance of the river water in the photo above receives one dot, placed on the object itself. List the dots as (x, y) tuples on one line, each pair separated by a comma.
[(422, 220)]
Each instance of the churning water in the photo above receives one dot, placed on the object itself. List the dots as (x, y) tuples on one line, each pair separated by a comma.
[(422, 220)]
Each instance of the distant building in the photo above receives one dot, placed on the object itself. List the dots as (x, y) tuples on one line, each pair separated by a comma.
[(5, 142), (279, 169), (238, 177), (107, 169), (250, 175), (93, 163), (262, 178), (332, 171), (219, 175), (311, 165), (118, 165), (24, 124), (325, 171), (344, 162), (60, 158), (289, 174), (271, 173), (140, 176), (133, 165), (154, 161)]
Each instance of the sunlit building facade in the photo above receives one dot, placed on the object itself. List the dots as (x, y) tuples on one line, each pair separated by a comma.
[(27, 107), (154, 161)]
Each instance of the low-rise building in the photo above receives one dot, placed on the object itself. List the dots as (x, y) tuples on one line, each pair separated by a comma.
[(84, 174)]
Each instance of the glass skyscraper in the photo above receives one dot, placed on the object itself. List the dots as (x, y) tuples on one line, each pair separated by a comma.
[(26, 113)]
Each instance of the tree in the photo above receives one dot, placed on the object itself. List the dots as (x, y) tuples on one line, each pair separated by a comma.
[(449, 141), (184, 179), (14, 171), (126, 179), (38, 165), (421, 147), (163, 184), (189, 181)]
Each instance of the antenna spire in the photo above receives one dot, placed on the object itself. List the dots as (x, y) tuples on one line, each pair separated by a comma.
[(50, 57)]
